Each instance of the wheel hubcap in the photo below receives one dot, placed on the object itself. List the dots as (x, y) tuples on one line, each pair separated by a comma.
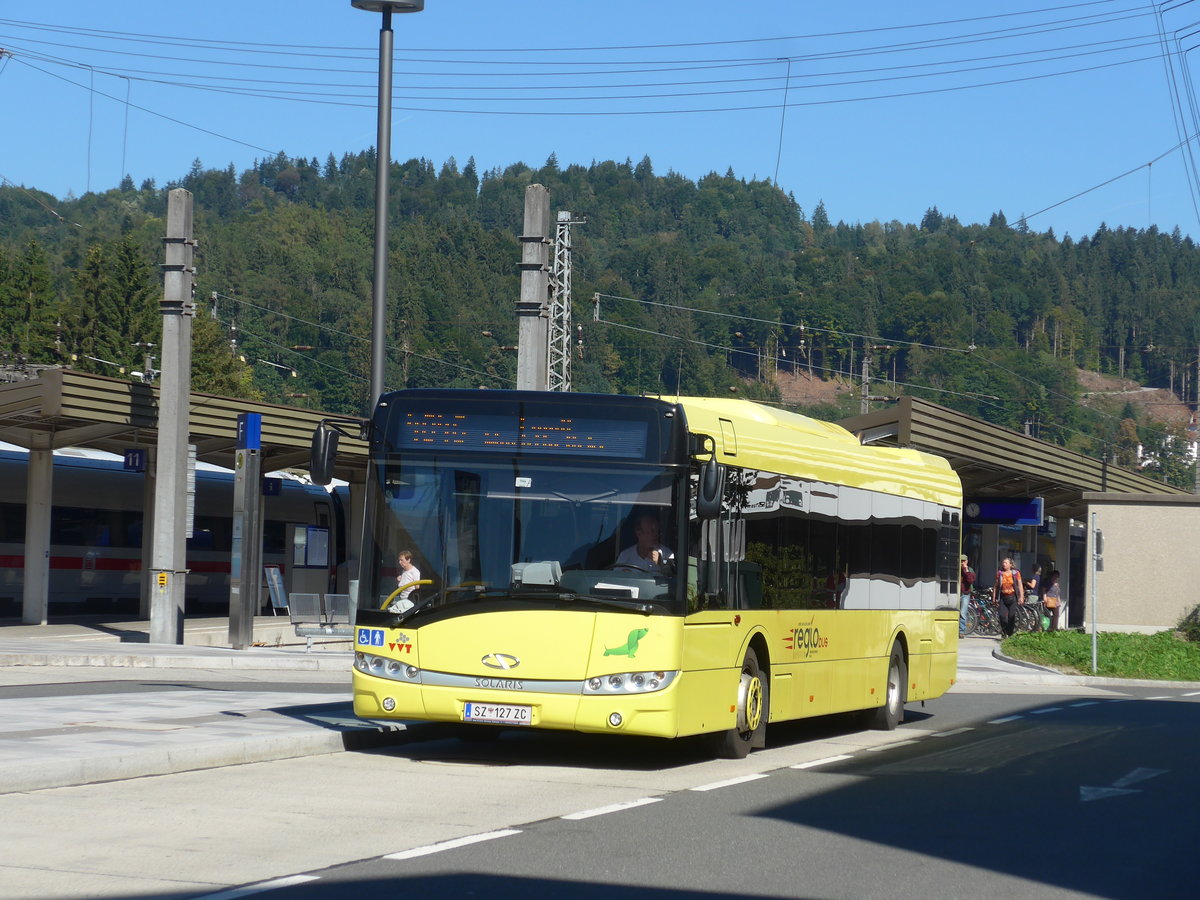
[(893, 689), (754, 704), (750, 702)]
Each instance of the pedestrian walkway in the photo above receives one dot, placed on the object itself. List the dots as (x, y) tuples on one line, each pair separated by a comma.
[(980, 660), (108, 731)]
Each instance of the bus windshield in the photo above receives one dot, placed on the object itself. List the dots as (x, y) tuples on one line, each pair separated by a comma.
[(521, 531)]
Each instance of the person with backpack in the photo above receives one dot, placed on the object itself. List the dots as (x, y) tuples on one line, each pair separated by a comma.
[(1007, 592)]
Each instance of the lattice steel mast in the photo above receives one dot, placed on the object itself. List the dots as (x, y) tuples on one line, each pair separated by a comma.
[(558, 357)]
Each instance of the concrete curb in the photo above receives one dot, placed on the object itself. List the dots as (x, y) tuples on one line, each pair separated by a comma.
[(997, 653), (56, 773), (1091, 680)]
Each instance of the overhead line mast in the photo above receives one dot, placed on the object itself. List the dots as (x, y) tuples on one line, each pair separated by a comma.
[(558, 358)]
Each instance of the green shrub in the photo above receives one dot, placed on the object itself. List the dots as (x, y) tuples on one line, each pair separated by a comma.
[(1189, 625)]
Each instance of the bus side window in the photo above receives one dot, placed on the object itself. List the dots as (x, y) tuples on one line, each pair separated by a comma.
[(747, 585), (707, 538)]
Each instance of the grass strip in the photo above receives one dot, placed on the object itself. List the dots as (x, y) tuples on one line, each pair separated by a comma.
[(1163, 656)]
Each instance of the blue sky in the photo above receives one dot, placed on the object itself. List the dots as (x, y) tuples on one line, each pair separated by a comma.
[(879, 109)]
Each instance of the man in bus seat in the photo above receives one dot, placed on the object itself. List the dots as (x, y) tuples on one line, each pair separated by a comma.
[(647, 555), (408, 574)]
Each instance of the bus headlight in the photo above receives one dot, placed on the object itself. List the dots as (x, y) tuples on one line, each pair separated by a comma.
[(383, 667), (629, 683)]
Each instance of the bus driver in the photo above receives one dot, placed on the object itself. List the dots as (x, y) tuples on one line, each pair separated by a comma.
[(647, 555)]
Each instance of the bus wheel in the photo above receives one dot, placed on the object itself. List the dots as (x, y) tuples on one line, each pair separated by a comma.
[(753, 708), (891, 714)]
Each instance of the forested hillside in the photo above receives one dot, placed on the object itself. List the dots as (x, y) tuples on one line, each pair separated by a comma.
[(705, 287)]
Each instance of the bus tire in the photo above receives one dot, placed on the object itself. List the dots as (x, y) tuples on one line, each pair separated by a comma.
[(895, 694), (753, 710)]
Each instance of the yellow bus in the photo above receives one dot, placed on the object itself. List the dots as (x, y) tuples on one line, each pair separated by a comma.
[(642, 566)]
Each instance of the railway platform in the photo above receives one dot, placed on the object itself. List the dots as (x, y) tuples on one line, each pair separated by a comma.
[(107, 641)]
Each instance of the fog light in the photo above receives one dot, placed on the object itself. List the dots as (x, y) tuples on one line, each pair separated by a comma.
[(388, 704), (614, 719)]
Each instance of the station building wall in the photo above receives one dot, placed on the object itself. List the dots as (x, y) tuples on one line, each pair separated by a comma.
[(1151, 575)]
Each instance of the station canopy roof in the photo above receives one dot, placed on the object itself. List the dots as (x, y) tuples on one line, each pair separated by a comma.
[(996, 463), (64, 408)]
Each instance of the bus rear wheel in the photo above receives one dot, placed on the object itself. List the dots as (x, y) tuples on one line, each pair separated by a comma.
[(891, 714), (753, 709)]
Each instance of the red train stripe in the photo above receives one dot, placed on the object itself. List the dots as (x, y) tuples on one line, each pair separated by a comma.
[(112, 564)]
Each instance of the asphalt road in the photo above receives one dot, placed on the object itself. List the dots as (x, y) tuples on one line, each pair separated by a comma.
[(991, 791), (1013, 796)]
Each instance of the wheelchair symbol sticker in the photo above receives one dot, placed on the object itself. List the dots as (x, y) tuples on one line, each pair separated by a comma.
[(370, 637)]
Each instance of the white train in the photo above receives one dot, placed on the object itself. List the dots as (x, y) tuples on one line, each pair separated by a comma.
[(96, 556)]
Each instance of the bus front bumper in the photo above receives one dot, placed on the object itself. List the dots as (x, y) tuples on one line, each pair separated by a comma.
[(651, 714)]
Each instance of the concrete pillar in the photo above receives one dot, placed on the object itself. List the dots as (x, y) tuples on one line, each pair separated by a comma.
[(989, 554), (35, 603), (1062, 562), (533, 307), (149, 485), (169, 557)]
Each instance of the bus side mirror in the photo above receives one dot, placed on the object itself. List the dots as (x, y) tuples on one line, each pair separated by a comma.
[(710, 490), (323, 454)]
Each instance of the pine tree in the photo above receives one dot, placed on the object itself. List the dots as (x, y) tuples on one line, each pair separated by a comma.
[(35, 335)]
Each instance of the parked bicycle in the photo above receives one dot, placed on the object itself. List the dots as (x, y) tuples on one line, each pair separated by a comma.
[(983, 614), (1028, 616)]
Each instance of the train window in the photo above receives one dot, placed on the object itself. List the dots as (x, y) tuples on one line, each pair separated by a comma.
[(211, 533), (274, 536), (80, 527), (12, 523)]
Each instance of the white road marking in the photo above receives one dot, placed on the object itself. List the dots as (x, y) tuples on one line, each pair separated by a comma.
[(615, 807), (273, 885), (1192, 694), (1160, 698), (889, 746), (1085, 703), (1005, 720), (1138, 775), (1120, 787), (1038, 712), (727, 783), (452, 844), (951, 732), (825, 761), (1087, 793)]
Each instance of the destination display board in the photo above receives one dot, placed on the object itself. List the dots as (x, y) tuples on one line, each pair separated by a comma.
[(482, 431)]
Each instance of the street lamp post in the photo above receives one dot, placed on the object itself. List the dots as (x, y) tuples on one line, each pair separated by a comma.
[(383, 158)]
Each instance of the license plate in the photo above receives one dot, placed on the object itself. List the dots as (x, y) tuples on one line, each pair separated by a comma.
[(498, 713)]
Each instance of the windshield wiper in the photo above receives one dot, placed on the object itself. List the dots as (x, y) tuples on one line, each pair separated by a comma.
[(571, 596), (637, 606)]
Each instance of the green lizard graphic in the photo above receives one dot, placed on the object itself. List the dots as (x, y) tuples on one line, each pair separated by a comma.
[(629, 648)]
